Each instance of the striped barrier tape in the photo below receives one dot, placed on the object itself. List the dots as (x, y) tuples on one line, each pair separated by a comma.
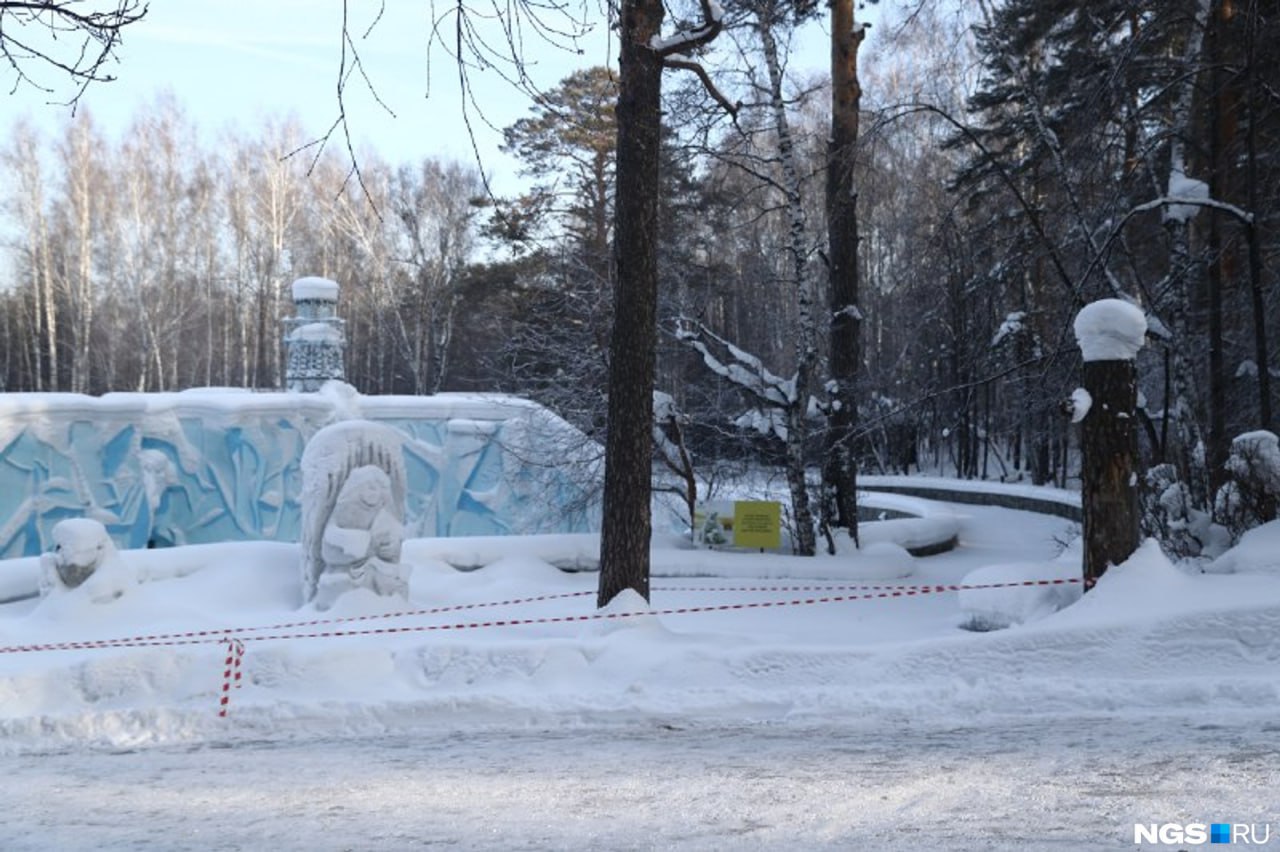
[(234, 638), (231, 673), (199, 637)]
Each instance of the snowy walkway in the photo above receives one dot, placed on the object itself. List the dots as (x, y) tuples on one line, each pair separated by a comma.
[(1064, 784)]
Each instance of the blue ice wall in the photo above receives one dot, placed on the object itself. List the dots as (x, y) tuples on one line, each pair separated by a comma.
[(223, 465)]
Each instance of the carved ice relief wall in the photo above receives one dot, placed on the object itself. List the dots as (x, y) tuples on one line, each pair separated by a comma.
[(224, 465)]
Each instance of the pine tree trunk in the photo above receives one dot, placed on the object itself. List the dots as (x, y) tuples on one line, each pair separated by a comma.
[(624, 540), (840, 506), (1262, 355), (1109, 493)]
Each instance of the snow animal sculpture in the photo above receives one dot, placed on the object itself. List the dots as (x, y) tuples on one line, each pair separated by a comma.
[(85, 559), (353, 498)]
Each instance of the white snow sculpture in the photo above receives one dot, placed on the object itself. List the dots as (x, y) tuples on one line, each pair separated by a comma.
[(353, 498), (84, 560)]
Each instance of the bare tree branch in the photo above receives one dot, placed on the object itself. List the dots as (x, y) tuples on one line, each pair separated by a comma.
[(79, 44), (708, 83)]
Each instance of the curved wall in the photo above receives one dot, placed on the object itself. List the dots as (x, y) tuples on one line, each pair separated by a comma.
[(223, 465)]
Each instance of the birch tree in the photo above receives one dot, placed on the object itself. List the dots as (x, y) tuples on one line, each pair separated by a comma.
[(22, 157), (432, 205)]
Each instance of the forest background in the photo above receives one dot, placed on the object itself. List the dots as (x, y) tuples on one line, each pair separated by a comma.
[(1017, 160)]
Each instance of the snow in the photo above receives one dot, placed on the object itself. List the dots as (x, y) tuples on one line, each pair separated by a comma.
[(313, 288), (1008, 594), (1256, 456), (1110, 330), (746, 706), (682, 41), (1184, 189), (1040, 493), (315, 332), (1081, 402), (1257, 552), (1013, 325)]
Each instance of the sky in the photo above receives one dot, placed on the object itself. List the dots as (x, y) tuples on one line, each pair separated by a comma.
[(233, 61)]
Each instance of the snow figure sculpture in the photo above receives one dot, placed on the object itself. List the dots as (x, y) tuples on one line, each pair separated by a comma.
[(353, 498), (84, 559)]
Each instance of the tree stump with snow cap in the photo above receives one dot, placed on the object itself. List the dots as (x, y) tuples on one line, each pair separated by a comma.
[(1110, 333)]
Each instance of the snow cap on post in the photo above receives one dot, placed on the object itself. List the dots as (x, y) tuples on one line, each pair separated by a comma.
[(312, 287), (1110, 330)]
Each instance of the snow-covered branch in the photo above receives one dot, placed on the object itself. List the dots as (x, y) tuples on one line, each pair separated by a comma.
[(686, 42), (733, 364), (1177, 201)]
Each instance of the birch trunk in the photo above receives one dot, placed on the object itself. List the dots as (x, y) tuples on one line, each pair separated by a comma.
[(802, 283)]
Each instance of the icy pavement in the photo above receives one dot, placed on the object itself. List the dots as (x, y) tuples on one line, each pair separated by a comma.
[(1053, 784)]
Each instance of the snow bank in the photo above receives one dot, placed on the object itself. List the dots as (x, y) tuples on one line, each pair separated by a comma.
[(1014, 603), (1258, 552), (1110, 330), (519, 643), (1081, 403)]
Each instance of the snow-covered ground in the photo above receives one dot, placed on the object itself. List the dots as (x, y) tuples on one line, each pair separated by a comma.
[(762, 701)]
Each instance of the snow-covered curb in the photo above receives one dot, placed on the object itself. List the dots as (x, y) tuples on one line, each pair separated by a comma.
[(932, 529), (1029, 498)]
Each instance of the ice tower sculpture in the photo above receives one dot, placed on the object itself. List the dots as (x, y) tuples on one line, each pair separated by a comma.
[(314, 337)]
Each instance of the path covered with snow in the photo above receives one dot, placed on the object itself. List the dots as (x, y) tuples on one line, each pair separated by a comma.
[(1050, 784)]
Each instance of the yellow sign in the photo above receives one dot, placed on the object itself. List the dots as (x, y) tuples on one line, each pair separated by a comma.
[(757, 524), (754, 524)]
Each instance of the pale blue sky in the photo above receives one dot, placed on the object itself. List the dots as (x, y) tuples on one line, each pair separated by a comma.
[(232, 61)]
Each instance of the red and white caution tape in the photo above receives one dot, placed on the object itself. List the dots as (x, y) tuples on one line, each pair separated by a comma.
[(235, 638), (231, 673), (198, 637)]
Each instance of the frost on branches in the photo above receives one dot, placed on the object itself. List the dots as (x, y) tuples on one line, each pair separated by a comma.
[(1250, 496)]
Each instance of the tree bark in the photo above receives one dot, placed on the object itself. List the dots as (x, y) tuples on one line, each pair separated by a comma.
[(1262, 355), (624, 540), (1108, 444), (840, 505), (797, 415)]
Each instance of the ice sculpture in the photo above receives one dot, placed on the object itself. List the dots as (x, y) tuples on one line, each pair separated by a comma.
[(84, 559), (353, 493), (313, 336), (217, 464)]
